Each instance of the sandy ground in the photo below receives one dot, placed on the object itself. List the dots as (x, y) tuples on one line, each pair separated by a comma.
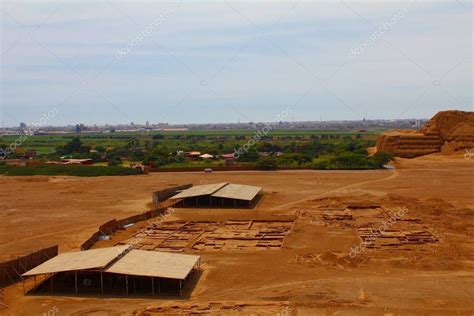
[(312, 274)]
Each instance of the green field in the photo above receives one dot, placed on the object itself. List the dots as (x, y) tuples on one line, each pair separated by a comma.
[(276, 150), (45, 144)]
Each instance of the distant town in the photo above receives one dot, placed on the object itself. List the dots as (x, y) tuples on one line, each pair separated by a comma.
[(361, 125)]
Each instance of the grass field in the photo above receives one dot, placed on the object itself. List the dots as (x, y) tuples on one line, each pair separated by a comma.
[(47, 144), (115, 139)]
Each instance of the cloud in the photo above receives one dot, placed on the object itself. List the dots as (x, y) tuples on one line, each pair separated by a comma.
[(252, 56)]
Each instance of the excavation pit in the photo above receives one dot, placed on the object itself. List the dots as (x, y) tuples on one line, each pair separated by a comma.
[(230, 235)]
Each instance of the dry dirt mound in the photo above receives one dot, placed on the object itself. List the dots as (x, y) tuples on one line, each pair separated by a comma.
[(220, 308), (446, 132)]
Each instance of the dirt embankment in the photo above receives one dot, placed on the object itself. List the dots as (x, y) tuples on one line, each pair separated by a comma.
[(447, 132)]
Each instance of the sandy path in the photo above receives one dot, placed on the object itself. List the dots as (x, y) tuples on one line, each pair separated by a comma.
[(393, 175)]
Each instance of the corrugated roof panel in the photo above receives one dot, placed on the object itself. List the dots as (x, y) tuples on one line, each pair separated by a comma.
[(155, 264), (199, 190), (238, 192), (82, 260)]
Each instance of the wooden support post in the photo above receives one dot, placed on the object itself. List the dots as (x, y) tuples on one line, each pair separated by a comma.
[(159, 285), (75, 280), (153, 286), (35, 281), (126, 283), (180, 286), (101, 282), (52, 284)]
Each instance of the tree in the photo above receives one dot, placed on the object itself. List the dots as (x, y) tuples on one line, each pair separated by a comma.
[(351, 146), (266, 163), (381, 158), (75, 146), (137, 155), (101, 149), (321, 163), (114, 161), (250, 155), (96, 157), (350, 161)]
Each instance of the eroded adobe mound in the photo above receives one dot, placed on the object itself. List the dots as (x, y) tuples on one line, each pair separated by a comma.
[(446, 132)]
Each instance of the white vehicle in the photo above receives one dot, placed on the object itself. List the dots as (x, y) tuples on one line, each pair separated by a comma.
[(208, 170)]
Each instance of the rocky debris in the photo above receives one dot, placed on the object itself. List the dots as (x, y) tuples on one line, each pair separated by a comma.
[(337, 215), (220, 308), (395, 238), (328, 259), (447, 132)]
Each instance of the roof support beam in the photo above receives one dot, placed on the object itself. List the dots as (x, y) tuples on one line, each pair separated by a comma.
[(101, 282), (75, 280), (126, 283), (153, 286)]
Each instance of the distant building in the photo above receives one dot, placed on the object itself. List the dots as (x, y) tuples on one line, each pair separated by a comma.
[(228, 156), (16, 162), (77, 161), (23, 126), (31, 153), (139, 166), (206, 156), (418, 124), (193, 154)]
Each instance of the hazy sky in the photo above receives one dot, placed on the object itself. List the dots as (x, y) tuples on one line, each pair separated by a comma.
[(199, 61)]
